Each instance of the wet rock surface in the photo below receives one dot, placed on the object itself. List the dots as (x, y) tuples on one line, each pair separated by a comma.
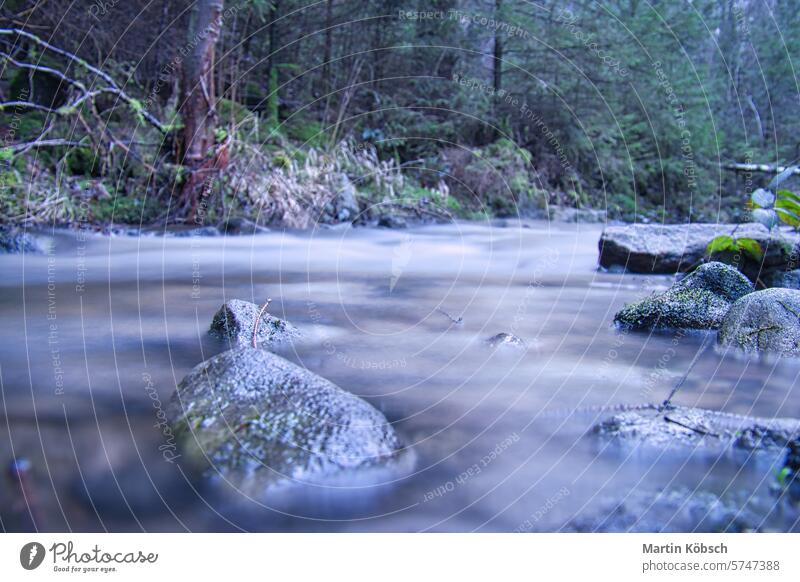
[(200, 231), (675, 248), (676, 426), (675, 510), (259, 421), (699, 301), (785, 279), (506, 340), (15, 241), (234, 322), (392, 221), (343, 207), (764, 322), (573, 214), (239, 226)]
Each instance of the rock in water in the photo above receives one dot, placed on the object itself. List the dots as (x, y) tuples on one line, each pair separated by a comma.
[(573, 214), (764, 322), (241, 226), (699, 301), (680, 426), (260, 421), (506, 339), (672, 510), (200, 231), (787, 279), (392, 221), (15, 241), (234, 322), (675, 248)]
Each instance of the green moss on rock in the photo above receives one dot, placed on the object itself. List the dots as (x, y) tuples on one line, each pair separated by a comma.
[(259, 420), (699, 301)]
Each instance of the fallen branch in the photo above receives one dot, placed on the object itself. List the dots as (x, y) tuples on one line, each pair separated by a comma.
[(762, 168)]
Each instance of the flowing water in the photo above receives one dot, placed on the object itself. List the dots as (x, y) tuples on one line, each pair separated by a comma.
[(97, 333)]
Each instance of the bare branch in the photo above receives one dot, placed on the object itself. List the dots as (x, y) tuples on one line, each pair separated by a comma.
[(43, 69), (112, 88), (42, 143)]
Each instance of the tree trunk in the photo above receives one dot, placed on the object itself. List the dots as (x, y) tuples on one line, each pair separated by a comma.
[(497, 70), (327, 85), (198, 110), (498, 50), (272, 69)]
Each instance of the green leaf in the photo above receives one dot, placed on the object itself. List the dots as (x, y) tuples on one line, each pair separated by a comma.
[(750, 247), (783, 474), (788, 195), (788, 217), (787, 204), (720, 244), (6, 154)]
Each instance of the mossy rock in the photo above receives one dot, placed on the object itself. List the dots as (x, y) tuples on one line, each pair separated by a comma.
[(260, 421), (699, 301), (765, 322)]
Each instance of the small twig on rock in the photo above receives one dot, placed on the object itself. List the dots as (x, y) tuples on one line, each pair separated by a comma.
[(258, 321), (696, 429), (668, 402)]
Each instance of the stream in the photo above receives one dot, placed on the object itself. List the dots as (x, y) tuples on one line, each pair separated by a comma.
[(98, 331)]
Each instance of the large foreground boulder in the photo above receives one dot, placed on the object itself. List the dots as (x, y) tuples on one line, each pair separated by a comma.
[(675, 248), (259, 421), (764, 322), (698, 301), (234, 322)]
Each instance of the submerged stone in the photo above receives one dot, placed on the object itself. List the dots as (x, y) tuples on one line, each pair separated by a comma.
[(258, 420), (764, 322), (506, 340), (698, 301), (673, 510), (234, 321)]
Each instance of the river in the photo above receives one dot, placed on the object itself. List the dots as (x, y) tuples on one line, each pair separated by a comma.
[(98, 331)]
